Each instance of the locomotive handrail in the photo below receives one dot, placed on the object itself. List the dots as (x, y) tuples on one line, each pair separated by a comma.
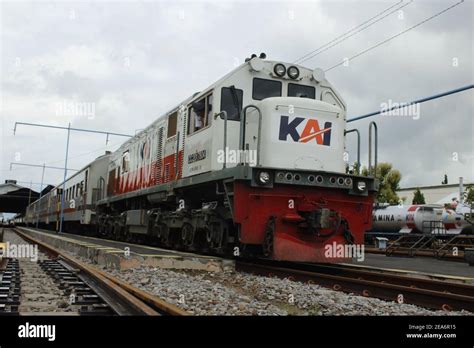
[(101, 186), (374, 125), (223, 112), (358, 142), (176, 165), (243, 118)]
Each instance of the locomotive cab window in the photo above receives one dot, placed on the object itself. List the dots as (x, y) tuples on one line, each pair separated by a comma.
[(301, 91), (172, 123), (263, 88), (200, 114), (231, 102), (125, 162)]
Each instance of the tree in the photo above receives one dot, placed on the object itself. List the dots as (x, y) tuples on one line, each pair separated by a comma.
[(469, 195), (418, 197), (445, 180), (354, 169), (389, 179)]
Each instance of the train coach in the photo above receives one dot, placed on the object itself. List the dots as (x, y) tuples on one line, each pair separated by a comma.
[(81, 192), (252, 165)]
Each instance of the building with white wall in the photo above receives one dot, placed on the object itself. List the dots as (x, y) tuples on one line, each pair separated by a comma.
[(438, 194)]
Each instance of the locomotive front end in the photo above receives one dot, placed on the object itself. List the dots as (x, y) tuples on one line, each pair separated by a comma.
[(301, 204)]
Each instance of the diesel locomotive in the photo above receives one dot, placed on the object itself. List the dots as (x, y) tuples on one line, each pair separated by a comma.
[(254, 165)]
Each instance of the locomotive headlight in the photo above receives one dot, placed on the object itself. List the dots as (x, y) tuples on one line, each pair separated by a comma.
[(279, 69), (293, 72), (361, 185), (264, 178)]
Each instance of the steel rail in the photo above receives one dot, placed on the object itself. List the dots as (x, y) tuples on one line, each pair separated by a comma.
[(391, 278), (431, 253), (423, 292), (140, 301)]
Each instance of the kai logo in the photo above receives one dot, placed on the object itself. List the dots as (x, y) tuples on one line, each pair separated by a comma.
[(311, 130)]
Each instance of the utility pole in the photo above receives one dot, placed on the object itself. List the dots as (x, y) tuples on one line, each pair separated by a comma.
[(64, 179), (69, 129), (43, 166)]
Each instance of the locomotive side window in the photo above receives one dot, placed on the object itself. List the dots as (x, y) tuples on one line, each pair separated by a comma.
[(301, 91), (263, 88), (200, 114), (85, 179), (231, 102), (209, 110), (172, 123), (125, 162)]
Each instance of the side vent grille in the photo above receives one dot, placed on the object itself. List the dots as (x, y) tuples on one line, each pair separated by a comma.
[(159, 157)]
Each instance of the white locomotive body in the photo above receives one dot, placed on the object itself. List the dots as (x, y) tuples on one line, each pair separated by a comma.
[(296, 132)]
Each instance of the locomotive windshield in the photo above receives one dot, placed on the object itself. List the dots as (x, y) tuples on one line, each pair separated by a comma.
[(263, 88), (301, 91), (231, 102)]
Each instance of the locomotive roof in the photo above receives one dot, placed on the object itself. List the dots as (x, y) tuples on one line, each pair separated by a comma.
[(305, 72)]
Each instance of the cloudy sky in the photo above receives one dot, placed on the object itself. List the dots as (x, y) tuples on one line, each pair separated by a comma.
[(131, 61)]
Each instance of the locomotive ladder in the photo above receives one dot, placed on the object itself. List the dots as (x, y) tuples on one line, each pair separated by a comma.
[(229, 194)]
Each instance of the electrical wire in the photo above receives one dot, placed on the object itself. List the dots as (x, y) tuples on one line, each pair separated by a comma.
[(396, 35)]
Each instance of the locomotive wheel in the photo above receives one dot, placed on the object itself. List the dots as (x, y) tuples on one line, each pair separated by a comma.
[(268, 240), (209, 238), (117, 231), (165, 235), (187, 234), (121, 234), (110, 230)]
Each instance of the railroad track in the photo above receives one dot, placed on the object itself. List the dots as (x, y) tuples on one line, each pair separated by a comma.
[(89, 290), (429, 293), (430, 253)]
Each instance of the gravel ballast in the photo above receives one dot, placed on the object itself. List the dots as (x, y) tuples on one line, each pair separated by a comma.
[(39, 293), (236, 293)]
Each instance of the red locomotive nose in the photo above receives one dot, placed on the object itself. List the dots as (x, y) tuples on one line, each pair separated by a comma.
[(293, 218), (302, 230)]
